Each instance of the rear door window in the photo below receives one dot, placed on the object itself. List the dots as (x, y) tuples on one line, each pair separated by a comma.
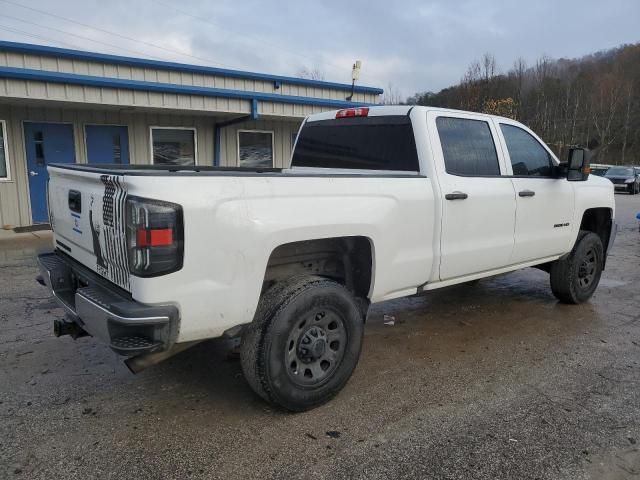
[(364, 143), (468, 147)]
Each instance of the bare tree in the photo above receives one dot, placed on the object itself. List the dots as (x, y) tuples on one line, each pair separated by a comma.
[(605, 102), (629, 99), (314, 73), (488, 64), (543, 68), (473, 73), (392, 95), (519, 71), (574, 116)]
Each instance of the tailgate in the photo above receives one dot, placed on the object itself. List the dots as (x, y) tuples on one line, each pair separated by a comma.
[(87, 217)]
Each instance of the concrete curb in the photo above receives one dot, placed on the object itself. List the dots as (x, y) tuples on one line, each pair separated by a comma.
[(10, 235)]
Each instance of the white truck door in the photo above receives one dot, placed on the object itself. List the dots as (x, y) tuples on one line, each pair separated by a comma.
[(478, 202), (544, 205)]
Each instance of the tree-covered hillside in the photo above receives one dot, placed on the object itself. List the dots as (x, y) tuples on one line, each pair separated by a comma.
[(593, 101)]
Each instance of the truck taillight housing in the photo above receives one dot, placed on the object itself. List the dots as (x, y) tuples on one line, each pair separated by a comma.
[(353, 112), (154, 237)]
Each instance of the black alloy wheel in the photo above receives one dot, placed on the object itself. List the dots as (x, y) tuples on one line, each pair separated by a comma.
[(315, 347)]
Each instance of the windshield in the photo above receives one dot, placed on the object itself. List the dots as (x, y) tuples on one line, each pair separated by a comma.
[(620, 172)]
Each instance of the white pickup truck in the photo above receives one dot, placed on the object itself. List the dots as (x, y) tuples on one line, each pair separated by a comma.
[(380, 203)]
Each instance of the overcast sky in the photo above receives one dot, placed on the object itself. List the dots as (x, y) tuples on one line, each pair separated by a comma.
[(413, 45)]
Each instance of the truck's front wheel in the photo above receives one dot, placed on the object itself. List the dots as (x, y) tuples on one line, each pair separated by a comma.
[(575, 277), (304, 342)]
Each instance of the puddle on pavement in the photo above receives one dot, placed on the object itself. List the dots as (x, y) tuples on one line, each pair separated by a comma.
[(610, 282), (617, 465)]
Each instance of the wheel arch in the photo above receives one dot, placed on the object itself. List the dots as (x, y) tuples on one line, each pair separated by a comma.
[(598, 220), (349, 260)]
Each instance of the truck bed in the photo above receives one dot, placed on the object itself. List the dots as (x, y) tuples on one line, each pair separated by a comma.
[(156, 170), (205, 170)]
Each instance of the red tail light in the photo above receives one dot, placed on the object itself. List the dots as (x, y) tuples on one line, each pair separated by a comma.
[(353, 112), (154, 237)]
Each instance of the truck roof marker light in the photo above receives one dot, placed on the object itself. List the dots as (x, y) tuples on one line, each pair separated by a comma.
[(353, 112)]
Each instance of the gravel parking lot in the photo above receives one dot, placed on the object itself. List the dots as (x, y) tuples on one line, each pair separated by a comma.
[(494, 380)]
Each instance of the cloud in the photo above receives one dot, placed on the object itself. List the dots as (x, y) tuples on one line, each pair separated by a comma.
[(414, 45)]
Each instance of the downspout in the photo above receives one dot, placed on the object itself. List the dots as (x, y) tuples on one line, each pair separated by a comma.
[(217, 131)]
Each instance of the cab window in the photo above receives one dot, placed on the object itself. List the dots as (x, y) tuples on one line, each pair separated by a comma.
[(528, 156), (468, 147)]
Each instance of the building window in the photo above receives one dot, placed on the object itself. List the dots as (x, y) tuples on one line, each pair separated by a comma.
[(173, 146), (4, 153), (255, 149)]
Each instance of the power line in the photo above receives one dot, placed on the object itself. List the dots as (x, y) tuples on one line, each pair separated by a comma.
[(80, 36), (171, 50), (41, 37)]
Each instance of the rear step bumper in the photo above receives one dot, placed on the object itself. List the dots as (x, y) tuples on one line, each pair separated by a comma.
[(127, 326)]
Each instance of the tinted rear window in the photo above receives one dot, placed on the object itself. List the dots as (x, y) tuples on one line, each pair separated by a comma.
[(370, 143), (467, 146)]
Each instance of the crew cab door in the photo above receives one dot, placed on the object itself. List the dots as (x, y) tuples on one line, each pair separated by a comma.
[(478, 202), (544, 205)]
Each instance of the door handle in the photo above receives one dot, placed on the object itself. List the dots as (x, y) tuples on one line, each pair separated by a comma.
[(32, 173), (527, 193), (456, 196)]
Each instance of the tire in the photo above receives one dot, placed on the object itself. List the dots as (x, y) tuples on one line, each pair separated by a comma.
[(575, 277), (304, 342)]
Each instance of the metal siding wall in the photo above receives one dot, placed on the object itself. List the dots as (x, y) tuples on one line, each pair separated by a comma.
[(14, 196), (281, 140), (33, 90), (99, 69)]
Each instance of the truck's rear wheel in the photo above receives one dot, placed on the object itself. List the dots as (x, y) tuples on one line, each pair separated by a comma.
[(575, 277), (304, 342)]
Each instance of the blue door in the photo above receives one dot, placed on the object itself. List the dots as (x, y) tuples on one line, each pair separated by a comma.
[(107, 144), (45, 143)]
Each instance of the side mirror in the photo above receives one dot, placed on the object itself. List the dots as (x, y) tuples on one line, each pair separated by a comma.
[(578, 165)]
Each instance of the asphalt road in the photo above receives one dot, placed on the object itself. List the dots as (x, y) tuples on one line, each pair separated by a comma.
[(495, 380)]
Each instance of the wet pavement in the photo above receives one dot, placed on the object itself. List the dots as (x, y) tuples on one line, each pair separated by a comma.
[(494, 380)]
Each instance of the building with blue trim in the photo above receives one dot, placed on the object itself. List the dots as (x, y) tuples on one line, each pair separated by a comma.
[(59, 105)]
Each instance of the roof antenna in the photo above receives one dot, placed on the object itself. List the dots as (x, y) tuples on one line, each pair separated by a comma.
[(355, 75)]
